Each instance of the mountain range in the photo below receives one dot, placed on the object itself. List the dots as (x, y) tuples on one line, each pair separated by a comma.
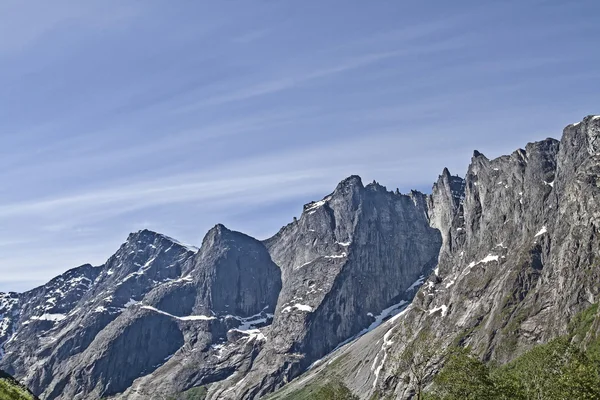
[(498, 260)]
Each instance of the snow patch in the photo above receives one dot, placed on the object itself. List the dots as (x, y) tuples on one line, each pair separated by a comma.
[(253, 321), (50, 317), (150, 261), (551, 184), (391, 311), (416, 283), (130, 302), (387, 342), (188, 318), (299, 307), (179, 280), (177, 242), (253, 334), (343, 255), (218, 348), (541, 231), (488, 258), (443, 308), (314, 205)]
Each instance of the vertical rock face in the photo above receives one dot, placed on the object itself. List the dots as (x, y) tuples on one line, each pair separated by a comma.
[(518, 258), (493, 284), (350, 256), (236, 273), (445, 206)]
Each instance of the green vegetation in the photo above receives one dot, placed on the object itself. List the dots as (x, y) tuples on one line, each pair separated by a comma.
[(333, 390), (565, 368), (10, 389), (417, 360), (197, 393), (320, 384)]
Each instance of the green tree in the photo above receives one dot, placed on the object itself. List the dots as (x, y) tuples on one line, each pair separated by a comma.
[(464, 377), (535, 375), (579, 378), (335, 391), (565, 368)]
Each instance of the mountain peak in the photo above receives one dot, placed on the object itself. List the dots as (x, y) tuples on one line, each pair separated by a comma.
[(142, 233), (477, 154), (352, 180), (147, 237), (220, 228)]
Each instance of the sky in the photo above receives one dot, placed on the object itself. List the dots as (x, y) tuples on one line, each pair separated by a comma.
[(174, 116)]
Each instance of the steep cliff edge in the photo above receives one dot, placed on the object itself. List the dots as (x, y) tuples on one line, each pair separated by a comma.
[(517, 263), (352, 258)]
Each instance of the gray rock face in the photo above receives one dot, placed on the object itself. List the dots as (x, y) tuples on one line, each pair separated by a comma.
[(93, 331), (58, 322), (518, 260), (234, 282), (349, 257), (236, 273), (9, 311)]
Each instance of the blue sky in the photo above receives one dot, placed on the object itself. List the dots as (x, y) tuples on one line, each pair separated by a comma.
[(174, 116)]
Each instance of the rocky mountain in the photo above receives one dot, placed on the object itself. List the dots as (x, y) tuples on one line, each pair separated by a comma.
[(350, 260), (517, 263), (498, 260)]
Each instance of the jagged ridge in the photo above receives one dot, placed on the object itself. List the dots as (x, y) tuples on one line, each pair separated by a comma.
[(514, 243)]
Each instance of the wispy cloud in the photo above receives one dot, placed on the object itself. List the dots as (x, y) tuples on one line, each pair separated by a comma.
[(117, 116), (251, 36), (21, 27), (245, 181), (298, 78)]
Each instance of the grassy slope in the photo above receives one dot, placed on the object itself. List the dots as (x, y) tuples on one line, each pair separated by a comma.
[(10, 389)]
